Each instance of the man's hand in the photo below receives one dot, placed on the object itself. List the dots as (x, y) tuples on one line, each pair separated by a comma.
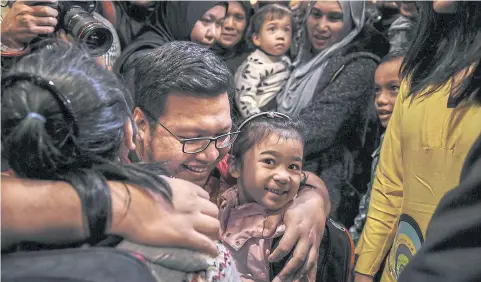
[(305, 221), (22, 23), (191, 221)]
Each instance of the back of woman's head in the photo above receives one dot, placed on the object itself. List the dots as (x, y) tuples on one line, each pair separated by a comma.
[(63, 117), (41, 133), (446, 45)]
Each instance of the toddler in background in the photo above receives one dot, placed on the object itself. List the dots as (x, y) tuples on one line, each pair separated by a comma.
[(264, 73), (266, 159)]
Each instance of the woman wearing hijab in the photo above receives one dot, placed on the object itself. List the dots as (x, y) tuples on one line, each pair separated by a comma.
[(197, 21), (332, 91), (231, 45), (436, 119)]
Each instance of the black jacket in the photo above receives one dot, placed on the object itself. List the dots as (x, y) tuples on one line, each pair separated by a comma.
[(172, 20), (337, 118), (452, 249)]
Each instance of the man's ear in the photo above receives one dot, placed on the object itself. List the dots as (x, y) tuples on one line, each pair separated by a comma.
[(234, 167), (129, 142), (143, 126), (142, 134)]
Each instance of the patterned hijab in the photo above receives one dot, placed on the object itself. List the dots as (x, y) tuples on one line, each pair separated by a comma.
[(302, 83)]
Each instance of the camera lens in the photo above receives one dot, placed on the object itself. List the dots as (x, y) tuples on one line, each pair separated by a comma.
[(97, 38), (90, 32)]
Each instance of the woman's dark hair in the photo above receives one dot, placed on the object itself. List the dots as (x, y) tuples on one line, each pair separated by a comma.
[(248, 10), (259, 129), (71, 129), (243, 45), (267, 13), (445, 45)]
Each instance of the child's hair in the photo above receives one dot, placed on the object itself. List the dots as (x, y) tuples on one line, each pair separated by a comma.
[(393, 55), (258, 128), (63, 118), (268, 12)]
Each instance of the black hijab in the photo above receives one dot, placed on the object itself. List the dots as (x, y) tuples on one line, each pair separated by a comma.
[(171, 21), (174, 20)]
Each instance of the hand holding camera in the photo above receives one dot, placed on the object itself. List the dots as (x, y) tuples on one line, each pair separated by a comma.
[(24, 22), (29, 20)]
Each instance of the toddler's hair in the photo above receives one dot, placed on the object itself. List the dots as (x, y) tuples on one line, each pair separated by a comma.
[(259, 127), (268, 12), (393, 55)]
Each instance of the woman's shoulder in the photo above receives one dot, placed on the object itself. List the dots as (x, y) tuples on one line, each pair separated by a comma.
[(362, 55), (360, 65), (356, 59), (369, 40)]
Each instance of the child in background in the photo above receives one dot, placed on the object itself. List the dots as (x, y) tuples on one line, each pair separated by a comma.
[(266, 159), (387, 81), (266, 70)]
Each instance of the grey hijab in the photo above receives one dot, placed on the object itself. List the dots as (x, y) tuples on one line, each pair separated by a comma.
[(302, 83)]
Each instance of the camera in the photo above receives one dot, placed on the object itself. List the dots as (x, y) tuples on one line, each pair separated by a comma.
[(76, 18)]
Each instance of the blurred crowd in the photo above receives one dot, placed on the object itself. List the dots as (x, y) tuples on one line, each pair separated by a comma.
[(290, 140)]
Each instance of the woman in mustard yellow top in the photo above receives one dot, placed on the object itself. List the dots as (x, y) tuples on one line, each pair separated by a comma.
[(434, 123)]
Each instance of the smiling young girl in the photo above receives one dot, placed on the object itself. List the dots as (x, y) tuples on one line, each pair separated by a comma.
[(266, 159)]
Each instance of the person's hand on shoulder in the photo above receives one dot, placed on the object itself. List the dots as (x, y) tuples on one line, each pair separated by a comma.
[(305, 221), (191, 221), (22, 23)]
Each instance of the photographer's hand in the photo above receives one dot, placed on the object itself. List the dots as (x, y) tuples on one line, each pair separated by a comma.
[(22, 23)]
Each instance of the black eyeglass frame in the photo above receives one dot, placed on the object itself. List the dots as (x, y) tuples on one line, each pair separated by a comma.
[(185, 140)]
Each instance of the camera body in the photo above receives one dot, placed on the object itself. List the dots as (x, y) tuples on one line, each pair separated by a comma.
[(76, 18)]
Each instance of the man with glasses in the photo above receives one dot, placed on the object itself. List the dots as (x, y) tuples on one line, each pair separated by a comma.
[(183, 119), (191, 147)]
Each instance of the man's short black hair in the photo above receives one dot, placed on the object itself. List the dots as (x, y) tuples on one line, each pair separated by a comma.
[(183, 67)]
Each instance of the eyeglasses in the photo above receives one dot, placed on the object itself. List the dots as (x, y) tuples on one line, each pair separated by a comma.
[(199, 144)]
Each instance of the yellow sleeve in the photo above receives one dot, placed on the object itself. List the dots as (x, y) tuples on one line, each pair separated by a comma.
[(386, 197)]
